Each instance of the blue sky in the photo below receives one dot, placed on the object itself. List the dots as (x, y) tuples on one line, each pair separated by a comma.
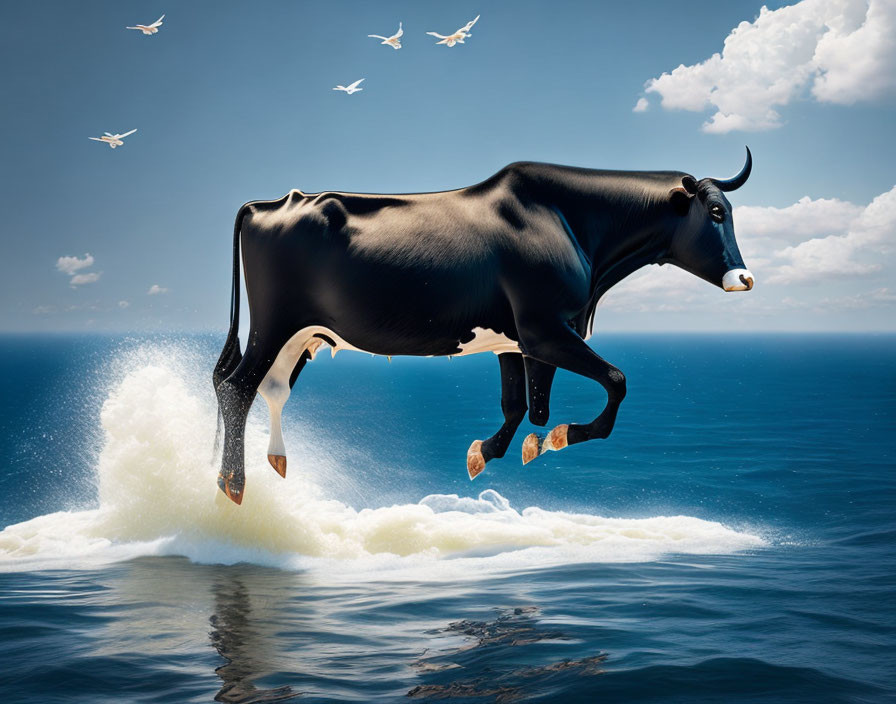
[(233, 102)]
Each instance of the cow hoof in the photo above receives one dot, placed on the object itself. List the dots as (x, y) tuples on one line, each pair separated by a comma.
[(230, 491), (278, 462), (531, 447), (475, 460), (556, 439)]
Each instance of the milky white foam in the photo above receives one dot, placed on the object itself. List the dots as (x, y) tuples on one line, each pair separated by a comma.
[(157, 495)]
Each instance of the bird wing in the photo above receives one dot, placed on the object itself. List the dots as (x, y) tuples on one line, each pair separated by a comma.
[(96, 139), (140, 28), (158, 22), (355, 84), (399, 32), (108, 134), (377, 36), (339, 88), (121, 136), (436, 34), (469, 25)]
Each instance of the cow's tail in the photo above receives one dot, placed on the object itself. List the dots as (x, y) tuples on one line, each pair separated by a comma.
[(230, 355)]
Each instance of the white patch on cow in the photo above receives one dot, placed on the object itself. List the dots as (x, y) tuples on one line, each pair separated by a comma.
[(487, 340), (590, 328), (274, 388), (737, 280)]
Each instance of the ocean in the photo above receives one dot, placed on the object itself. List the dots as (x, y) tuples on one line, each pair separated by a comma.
[(732, 541)]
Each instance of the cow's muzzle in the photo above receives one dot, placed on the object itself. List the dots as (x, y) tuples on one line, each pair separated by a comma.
[(737, 280)]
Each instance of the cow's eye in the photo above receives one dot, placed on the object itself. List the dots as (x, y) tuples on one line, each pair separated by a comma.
[(717, 212)]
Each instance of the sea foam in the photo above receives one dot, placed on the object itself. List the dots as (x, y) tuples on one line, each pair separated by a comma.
[(157, 496)]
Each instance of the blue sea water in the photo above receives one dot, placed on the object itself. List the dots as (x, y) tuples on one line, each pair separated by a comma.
[(732, 541)]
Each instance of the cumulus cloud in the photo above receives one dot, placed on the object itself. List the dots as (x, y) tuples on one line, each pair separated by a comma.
[(805, 218), (858, 301), (69, 265), (655, 289), (155, 290), (72, 265), (837, 51), (856, 59), (641, 105), (868, 240), (89, 278)]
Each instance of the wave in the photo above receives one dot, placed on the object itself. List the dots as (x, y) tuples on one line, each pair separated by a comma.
[(158, 496)]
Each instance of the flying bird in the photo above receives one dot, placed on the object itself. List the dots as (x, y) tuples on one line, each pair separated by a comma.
[(353, 88), (392, 41), (458, 37), (149, 28), (113, 140)]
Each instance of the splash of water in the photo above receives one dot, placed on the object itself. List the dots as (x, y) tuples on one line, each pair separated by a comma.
[(157, 495)]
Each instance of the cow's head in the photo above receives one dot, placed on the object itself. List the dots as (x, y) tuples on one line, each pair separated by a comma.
[(703, 242)]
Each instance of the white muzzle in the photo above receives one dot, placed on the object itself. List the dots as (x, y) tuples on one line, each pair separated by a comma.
[(737, 280)]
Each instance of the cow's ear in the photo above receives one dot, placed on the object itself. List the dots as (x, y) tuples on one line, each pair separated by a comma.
[(690, 184), (681, 200)]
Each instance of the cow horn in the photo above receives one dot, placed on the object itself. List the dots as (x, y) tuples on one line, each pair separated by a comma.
[(736, 182)]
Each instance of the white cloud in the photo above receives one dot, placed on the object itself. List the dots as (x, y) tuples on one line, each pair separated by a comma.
[(69, 265), (856, 59), (80, 279), (863, 248), (805, 218), (124, 304), (843, 51), (819, 258), (883, 295), (655, 288), (859, 301), (155, 290), (641, 105)]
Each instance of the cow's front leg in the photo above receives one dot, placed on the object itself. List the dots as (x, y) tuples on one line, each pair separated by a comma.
[(513, 404), (559, 345), (540, 377)]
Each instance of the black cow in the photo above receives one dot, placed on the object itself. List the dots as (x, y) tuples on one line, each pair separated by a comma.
[(514, 265)]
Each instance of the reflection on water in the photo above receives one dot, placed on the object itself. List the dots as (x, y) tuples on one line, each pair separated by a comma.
[(485, 665), (241, 639), (513, 655), (164, 630)]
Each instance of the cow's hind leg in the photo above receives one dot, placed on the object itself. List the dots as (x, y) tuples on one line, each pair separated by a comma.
[(557, 344), (227, 362), (235, 396), (513, 404), (275, 389)]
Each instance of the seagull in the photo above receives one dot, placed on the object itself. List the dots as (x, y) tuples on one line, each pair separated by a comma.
[(149, 28), (392, 41), (353, 88), (113, 140), (458, 37)]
